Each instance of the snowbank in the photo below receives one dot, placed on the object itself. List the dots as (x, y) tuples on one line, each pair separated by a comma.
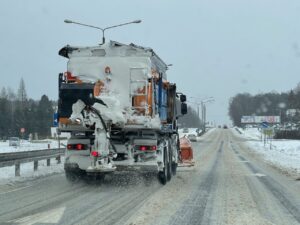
[(279, 152)]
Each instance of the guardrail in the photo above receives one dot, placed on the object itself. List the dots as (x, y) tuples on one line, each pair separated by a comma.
[(16, 158)]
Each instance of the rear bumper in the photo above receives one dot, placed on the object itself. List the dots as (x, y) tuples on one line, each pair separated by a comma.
[(151, 166), (118, 166)]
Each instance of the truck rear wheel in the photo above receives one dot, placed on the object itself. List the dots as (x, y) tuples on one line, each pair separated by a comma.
[(169, 165), (72, 176), (95, 177), (163, 175), (174, 168)]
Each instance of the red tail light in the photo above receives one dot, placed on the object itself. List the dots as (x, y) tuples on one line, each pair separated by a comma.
[(147, 148), (76, 147), (143, 148), (95, 153), (79, 146)]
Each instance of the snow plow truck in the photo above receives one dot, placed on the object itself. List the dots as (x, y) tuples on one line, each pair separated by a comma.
[(120, 110)]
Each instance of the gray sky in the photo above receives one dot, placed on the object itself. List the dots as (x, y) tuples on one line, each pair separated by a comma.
[(218, 48)]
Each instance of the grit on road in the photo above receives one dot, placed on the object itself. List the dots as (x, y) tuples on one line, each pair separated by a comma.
[(227, 185)]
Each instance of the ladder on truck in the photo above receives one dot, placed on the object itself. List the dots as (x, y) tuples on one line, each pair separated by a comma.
[(139, 87)]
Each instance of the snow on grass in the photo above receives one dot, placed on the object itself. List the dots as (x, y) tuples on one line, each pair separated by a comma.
[(284, 153), (281, 152)]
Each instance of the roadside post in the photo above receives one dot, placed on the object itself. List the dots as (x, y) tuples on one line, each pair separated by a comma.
[(268, 133), (22, 131), (264, 126), (55, 124)]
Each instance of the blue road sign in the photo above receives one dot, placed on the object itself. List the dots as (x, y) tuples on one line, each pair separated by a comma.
[(265, 124), (55, 119)]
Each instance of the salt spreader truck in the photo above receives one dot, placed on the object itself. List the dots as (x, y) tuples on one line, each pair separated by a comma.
[(120, 109)]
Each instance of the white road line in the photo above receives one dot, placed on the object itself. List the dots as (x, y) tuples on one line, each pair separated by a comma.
[(2, 193)]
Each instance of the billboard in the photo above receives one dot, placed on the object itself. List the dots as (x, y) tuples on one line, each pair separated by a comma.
[(260, 119)]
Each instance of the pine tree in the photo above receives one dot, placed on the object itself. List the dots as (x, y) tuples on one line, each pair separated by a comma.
[(45, 114), (3, 93), (22, 96)]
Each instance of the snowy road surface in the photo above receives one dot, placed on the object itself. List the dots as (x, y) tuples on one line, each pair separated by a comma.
[(227, 185)]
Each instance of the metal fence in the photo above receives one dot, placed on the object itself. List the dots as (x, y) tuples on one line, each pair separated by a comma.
[(17, 158)]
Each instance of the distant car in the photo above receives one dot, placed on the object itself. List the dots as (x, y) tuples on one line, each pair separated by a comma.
[(225, 127), (192, 137), (14, 141)]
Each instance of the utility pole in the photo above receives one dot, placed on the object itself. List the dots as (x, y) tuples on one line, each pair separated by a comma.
[(202, 102)]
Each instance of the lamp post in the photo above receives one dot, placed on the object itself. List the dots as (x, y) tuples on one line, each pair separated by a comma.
[(102, 29), (202, 102)]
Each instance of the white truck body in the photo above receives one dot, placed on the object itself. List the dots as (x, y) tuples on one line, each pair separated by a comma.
[(110, 123)]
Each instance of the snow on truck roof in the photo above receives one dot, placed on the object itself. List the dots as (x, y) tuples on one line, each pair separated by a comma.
[(113, 48)]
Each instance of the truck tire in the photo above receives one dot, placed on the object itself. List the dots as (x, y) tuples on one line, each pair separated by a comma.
[(174, 168), (162, 175), (169, 165), (71, 176), (95, 178)]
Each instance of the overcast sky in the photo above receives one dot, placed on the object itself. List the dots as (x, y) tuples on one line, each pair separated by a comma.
[(218, 48)]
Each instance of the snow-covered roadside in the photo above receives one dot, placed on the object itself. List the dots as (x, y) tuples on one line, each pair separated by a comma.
[(282, 153), (30, 146), (7, 174), (193, 131)]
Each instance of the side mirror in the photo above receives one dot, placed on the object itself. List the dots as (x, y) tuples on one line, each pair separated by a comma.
[(183, 98), (183, 108)]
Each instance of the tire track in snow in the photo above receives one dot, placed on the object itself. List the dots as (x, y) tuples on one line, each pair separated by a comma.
[(195, 208)]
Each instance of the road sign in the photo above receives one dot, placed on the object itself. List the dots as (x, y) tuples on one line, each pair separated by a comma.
[(55, 119), (265, 124)]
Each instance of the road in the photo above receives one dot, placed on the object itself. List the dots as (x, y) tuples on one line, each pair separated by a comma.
[(227, 185)]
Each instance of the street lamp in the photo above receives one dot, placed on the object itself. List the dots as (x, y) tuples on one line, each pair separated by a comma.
[(202, 102), (102, 29)]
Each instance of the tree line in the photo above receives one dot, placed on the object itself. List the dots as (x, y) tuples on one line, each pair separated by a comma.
[(191, 119), (265, 104), (20, 113)]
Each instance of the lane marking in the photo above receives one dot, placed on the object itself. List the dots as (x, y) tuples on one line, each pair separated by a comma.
[(18, 189), (258, 175), (52, 216)]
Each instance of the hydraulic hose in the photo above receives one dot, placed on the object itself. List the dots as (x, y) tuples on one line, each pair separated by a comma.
[(103, 124)]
